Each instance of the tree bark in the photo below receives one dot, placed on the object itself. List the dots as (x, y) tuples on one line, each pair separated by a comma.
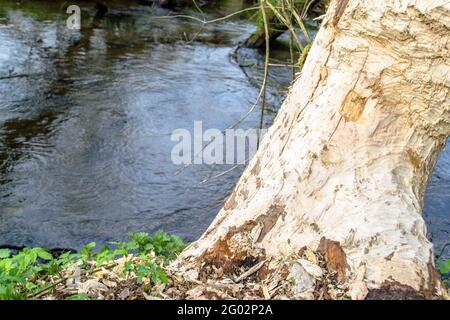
[(344, 168)]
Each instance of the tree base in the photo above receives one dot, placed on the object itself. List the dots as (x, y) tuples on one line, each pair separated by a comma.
[(295, 278), (321, 274)]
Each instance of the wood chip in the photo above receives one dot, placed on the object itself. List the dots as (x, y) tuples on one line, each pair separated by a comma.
[(266, 293)]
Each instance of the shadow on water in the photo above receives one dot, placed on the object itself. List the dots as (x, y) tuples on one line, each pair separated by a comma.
[(84, 134)]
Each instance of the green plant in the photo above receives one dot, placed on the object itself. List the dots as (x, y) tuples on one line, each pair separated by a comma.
[(443, 266), (147, 268), (21, 273), (444, 270), (86, 253), (5, 253), (106, 255), (55, 266), (161, 244), (166, 245), (29, 271), (148, 248), (82, 296)]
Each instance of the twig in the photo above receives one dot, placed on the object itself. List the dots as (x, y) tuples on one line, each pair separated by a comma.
[(250, 271), (283, 65), (208, 21), (443, 248), (306, 8), (287, 24), (15, 76), (320, 17), (301, 24), (198, 8), (221, 174), (266, 68), (291, 47)]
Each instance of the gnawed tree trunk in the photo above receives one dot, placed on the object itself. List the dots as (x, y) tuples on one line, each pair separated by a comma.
[(343, 169)]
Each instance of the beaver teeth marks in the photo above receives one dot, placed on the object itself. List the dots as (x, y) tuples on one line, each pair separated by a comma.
[(269, 220), (240, 245)]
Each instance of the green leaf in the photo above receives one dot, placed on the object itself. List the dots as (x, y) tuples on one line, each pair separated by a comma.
[(5, 253), (444, 267), (31, 285), (43, 254), (86, 251), (82, 296), (90, 246)]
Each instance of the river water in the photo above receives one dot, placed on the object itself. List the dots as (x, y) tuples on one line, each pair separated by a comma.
[(85, 126)]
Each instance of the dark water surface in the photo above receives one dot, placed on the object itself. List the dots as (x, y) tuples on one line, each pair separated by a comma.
[(85, 133)]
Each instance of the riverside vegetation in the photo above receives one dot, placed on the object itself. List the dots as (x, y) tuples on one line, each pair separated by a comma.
[(35, 272)]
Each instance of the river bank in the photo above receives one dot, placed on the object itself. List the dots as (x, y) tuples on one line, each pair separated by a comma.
[(141, 269)]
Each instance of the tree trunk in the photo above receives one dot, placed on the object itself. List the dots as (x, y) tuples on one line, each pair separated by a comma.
[(344, 168)]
